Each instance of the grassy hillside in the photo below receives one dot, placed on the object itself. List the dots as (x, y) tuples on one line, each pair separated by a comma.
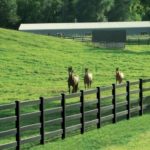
[(34, 65), (126, 135)]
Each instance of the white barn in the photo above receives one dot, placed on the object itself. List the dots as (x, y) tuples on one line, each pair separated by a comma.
[(68, 29)]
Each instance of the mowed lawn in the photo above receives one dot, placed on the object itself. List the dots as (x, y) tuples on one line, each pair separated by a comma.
[(34, 65), (125, 135)]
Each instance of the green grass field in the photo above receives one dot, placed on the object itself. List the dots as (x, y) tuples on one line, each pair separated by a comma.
[(35, 65), (125, 135)]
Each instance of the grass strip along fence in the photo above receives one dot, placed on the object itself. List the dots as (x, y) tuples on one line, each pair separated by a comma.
[(62, 119)]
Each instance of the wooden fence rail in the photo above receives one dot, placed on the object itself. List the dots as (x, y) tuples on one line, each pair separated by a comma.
[(99, 114)]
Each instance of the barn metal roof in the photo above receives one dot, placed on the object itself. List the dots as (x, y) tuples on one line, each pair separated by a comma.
[(89, 25)]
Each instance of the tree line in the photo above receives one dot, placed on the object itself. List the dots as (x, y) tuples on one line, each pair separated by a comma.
[(14, 12)]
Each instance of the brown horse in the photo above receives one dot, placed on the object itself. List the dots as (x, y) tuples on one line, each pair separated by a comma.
[(119, 76), (88, 77), (73, 81)]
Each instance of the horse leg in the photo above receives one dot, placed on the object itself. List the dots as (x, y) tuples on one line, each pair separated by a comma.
[(73, 89), (69, 88), (117, 81), (88, 85), (120, 81), (77, 87)]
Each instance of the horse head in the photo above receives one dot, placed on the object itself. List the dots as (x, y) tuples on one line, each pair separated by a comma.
[(72, 80)]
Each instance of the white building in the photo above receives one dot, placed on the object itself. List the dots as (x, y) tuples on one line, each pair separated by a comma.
[(136, 27)]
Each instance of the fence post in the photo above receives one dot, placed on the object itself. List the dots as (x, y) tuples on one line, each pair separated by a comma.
[(114, 103), (17, 113), (99, 107), (82, 111), (128, 99), (141, 97), (42, 121), (63, 115)]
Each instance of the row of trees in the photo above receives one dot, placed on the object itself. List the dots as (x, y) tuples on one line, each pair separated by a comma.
[(14, 12)]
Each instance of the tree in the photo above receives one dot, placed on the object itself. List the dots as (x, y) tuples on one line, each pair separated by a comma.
[(103, 9), (8, 15), (120, 11), (126, 10), (51, 10), (86, 10), (29, 10), (93, 10), (69, 10), (146, 8), (136, 10), (13, 12)]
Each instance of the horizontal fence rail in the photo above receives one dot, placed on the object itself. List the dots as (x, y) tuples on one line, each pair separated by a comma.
[(70, 117)]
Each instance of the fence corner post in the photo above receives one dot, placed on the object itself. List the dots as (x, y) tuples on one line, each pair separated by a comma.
[(114, 103), (17, 113), (42, 121), (63, 115), (141, 97)]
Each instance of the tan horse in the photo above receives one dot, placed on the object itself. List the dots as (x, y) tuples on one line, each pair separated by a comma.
[(88, 77), (119, 76), (73, 81)]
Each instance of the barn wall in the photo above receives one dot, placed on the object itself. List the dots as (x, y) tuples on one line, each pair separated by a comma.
[(69, 32), (109, 36)]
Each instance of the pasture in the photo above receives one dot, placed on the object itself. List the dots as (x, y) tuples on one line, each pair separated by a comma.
[(35, 65)]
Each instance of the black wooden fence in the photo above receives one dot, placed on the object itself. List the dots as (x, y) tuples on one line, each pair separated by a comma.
[(143, 102)]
